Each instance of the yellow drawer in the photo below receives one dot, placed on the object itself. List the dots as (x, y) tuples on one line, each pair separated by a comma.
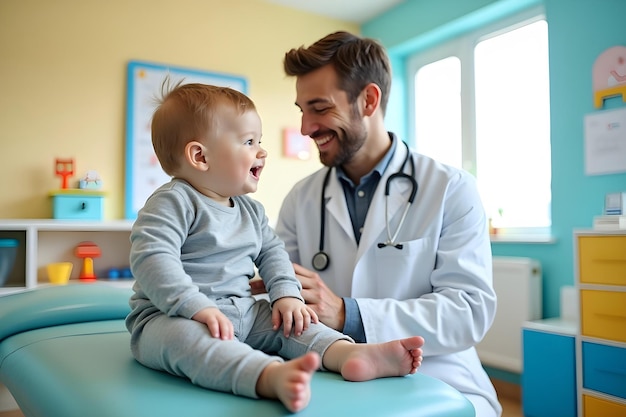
[(602, 259), (603, 314), (597, 407)]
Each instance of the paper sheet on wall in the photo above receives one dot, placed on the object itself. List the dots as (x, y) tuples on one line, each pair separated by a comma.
[(605, 142)]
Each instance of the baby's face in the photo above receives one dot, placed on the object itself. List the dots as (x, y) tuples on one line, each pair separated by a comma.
[(236, 158)]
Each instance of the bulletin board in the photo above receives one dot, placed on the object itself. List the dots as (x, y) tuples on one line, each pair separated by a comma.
[(143, 171)]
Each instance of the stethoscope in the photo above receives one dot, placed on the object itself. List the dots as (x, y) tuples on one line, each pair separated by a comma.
[(321, 259)]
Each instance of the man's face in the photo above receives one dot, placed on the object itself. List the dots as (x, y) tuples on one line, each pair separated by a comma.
[(328, 117)]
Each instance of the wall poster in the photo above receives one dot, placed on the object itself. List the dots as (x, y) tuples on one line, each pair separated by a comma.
[(143, 171)]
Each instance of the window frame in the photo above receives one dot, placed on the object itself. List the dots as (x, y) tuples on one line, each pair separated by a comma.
[(463, 47)]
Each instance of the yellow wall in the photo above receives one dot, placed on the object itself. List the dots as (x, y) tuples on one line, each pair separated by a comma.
[(63, 72)]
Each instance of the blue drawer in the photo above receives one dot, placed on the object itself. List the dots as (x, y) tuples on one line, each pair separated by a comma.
[(604, 369), (77, 207)]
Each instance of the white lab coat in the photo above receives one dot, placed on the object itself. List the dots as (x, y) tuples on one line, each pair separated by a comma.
[(438, 286)]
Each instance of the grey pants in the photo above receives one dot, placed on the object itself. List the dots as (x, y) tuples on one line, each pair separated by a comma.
[(185, 347)]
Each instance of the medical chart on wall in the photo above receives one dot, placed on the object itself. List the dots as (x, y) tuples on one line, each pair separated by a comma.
[(143, 171), (605, 142)]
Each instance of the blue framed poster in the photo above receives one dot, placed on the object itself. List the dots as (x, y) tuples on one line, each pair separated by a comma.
[(143, 171)]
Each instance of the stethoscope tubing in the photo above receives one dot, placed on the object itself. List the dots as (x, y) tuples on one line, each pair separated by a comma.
[(392, 240), (321, 260)]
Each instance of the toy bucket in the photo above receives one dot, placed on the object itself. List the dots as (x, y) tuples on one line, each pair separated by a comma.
[(8, 250)]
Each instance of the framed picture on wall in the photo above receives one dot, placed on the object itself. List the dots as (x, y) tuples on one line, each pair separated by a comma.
[(295, 145), (143, 171)]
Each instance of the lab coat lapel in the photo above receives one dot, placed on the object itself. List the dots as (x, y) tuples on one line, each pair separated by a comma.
[(336, 206), (375, 228)]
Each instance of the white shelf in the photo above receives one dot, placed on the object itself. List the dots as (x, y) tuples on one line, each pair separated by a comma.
[(66, 225), (43, 241), (554, 325)]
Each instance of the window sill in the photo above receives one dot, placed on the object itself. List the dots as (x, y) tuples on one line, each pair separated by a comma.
[(521, 238)]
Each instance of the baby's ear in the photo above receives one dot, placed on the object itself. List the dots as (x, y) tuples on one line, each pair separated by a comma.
[(196, 155)]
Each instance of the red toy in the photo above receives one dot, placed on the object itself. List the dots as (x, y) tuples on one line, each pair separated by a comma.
[(65, 169), (87, 251)]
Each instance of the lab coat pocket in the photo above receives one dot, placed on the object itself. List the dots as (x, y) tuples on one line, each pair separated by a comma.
[(405, 273)]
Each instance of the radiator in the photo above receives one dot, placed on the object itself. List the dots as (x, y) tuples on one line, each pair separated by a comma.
[(517, 282)]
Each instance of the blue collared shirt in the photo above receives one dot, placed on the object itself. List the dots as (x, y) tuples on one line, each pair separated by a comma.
[(358, 200)]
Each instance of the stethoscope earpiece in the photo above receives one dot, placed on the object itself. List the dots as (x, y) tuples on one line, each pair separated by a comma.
[(321, 260)]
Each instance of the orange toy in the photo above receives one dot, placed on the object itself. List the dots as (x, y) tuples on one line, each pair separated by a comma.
[(87, 251), (65, 169)]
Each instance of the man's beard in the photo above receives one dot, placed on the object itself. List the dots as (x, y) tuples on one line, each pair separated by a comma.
[(350, 142)]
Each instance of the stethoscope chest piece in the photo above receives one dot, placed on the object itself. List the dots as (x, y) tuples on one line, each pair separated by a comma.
[(320, 261)]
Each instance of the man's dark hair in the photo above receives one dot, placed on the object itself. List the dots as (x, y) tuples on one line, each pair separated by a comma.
[(358, 61)]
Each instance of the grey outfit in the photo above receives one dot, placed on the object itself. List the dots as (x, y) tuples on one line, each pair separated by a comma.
[(189, 253)]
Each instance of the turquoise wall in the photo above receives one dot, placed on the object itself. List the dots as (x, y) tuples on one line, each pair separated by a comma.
[(579, 30)]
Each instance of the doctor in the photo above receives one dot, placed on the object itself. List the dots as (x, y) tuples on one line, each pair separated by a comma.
[(376, 262)]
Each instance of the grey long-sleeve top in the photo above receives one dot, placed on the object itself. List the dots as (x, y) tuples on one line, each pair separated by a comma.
[(187, 251)]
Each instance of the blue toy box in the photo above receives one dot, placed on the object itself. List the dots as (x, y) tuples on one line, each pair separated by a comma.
[(77, 204)]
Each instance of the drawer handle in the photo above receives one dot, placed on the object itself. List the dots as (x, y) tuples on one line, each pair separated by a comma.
[(83, 206), (618, 372), (609, 316)]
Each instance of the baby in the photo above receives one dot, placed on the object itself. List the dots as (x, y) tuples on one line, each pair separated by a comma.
[(194, 248)]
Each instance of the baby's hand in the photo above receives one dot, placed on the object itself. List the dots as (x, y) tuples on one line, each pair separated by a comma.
[(219, 325), (292, 313)]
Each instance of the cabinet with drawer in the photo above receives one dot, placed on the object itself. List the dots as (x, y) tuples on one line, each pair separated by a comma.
[(600, 268), (77, 204), (549, 376)]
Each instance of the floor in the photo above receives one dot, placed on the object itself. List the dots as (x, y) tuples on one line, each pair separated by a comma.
[(510, 396), (510, 408)]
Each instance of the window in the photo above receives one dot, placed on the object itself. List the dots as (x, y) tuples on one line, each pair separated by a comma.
[(482, 103)]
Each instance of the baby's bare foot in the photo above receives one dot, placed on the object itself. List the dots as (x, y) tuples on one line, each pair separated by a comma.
[(290, 382), (395, 358)]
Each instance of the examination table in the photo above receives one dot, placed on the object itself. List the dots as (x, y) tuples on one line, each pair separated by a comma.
[(64, 352)]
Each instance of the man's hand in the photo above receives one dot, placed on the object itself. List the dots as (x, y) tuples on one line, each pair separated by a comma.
[(293, 314), (219, 325), (257, 286), (328, 306)]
